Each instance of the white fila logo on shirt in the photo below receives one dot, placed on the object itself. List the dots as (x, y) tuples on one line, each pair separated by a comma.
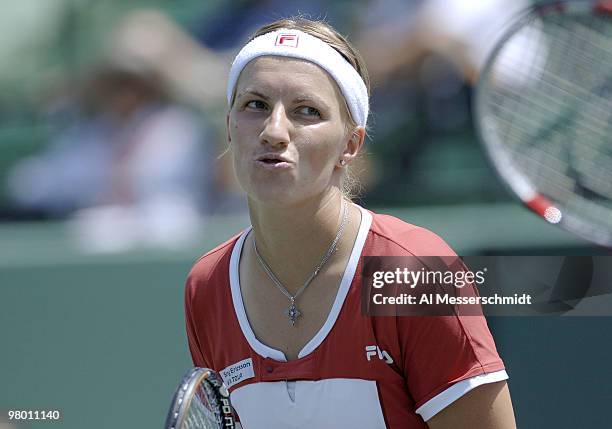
[(374, 351)]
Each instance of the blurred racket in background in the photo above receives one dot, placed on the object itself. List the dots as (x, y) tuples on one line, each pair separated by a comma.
[(545, 115), (201, 401)]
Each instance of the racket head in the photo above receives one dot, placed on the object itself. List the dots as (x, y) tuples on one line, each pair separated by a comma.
[(544, 114), (201, 401)]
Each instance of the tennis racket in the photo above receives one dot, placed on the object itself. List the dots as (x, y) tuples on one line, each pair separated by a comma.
[(201, 401), (543, 110)]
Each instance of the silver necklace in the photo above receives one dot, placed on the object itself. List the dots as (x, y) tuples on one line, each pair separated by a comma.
[(292, 311)]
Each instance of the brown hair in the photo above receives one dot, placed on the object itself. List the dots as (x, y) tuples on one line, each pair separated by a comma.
[(326, 33)]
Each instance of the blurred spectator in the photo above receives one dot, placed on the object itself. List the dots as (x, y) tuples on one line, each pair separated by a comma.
[(233, 22), (133, 167), (423, 57), (196, 73), (193, 71), (463, 32)]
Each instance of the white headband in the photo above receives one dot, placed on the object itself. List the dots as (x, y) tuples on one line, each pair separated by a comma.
[(297, 44)]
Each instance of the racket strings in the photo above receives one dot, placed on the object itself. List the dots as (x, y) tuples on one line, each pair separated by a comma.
[(552, 110), (201, 414), (556, 88), (563, 85), (585, 81)]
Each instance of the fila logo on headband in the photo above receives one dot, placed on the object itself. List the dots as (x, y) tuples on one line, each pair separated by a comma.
[(290, 40)]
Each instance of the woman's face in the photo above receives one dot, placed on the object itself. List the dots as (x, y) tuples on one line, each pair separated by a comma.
[(287, 130)]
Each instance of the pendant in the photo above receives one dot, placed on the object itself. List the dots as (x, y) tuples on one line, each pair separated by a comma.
[(292, 313)]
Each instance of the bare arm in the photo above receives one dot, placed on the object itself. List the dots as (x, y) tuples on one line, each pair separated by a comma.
[(486, 407)]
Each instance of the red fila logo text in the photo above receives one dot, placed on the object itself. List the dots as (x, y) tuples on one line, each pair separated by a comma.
[(287, 40)]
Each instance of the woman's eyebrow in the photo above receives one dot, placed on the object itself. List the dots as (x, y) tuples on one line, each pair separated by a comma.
[(253, 92), (302, 98)]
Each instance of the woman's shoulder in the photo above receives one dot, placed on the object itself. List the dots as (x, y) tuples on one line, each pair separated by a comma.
[(391, 234), (212, 267)]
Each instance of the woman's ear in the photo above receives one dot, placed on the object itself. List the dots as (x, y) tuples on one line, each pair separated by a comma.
[(355, 141)]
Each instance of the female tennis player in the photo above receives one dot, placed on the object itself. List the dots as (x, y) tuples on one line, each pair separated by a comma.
[(276, 309)]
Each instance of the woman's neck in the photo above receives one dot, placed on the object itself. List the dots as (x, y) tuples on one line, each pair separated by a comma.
[(293, 239)]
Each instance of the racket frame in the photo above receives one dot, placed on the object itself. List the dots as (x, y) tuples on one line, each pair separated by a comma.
[(516, 182), (184, 394)]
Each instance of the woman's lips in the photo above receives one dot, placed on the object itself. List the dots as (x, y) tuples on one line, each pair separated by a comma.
[(272, 161), (273, 164)]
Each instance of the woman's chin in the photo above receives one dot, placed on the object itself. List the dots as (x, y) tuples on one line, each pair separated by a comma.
[(278, 197), (277, 194)]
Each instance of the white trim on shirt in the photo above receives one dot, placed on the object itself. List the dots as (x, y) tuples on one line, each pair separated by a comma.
[(267, 351), (345, 285), (456, 391)]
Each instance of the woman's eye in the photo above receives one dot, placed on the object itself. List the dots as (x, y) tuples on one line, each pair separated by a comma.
[(309, 111), (256, 104)]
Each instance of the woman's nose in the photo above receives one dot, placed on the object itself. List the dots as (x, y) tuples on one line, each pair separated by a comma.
[(276, 127)]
